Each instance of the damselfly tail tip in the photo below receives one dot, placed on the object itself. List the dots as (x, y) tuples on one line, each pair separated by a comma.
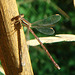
[(59, 68)]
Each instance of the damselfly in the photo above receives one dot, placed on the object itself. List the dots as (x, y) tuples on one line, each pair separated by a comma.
[(43, 26)]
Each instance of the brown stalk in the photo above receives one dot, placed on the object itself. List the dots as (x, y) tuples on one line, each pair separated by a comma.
[(12, 45)]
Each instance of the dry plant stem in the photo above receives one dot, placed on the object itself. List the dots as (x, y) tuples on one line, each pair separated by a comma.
[(57, 38), (12, 45)]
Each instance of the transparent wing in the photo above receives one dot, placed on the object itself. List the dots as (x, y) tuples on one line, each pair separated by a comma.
[(47, 22), (46, 30)]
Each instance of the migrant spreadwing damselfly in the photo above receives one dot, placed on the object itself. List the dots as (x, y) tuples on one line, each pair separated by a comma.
[(43, 26)]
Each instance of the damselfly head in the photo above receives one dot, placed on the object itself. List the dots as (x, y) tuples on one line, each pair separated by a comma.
[(17, 17), (21, 15)]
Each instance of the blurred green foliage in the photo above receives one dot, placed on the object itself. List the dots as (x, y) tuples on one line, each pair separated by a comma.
[(1, 73), (63, 53)]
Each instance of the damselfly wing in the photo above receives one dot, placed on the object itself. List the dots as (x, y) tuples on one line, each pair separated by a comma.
[(45, 25)]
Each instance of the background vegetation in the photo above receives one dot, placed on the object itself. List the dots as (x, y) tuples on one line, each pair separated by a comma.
[(64, 52)]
